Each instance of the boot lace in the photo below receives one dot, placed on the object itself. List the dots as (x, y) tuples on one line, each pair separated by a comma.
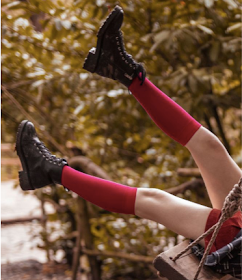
[(46, 154), (128, 59)]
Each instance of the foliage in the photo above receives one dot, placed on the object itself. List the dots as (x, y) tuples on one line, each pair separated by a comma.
[(191, 49)]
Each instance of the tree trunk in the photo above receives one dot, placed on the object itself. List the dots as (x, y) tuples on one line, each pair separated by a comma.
[(88, 238), (84, 164)]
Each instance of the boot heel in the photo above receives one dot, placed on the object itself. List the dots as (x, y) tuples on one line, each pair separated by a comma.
[(24, 181), (91, 61)]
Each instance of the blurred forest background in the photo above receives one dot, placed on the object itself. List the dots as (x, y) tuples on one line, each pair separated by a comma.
[(190, 49)]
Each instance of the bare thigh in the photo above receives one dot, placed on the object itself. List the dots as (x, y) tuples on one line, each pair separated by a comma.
[(179, 215), (217, 168)]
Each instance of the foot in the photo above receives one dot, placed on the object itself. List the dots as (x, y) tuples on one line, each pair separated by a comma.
[(40, 167), (109, 58)]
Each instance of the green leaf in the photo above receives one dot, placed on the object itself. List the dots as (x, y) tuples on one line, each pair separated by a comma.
[(159, 38), (66, 24), (12, 4), (205, 29), (234, 27)]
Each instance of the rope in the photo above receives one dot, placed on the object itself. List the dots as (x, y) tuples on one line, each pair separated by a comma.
[(232, 203)]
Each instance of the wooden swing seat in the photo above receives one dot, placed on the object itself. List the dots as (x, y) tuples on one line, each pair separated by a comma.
[(185, 267)]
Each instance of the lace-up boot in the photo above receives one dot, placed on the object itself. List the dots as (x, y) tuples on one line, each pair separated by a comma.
[(109, 58), (40, 167)]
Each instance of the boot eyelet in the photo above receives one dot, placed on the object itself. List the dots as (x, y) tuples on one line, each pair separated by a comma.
[(123, 58), (119, 48), (118, 43), (121, 53), (116, 38), (126, 62), (130, 65)]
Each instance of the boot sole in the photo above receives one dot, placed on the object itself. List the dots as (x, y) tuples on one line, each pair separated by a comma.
[(91, 61), (24, 179)]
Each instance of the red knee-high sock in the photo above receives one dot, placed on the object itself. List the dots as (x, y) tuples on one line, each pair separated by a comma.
[(167, 114), (108, 195)]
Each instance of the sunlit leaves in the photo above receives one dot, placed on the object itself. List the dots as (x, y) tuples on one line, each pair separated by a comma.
[(190, 49)]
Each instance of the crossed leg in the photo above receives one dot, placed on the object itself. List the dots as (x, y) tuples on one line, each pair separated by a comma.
[(181, 216), (219, 172), (217, 168)]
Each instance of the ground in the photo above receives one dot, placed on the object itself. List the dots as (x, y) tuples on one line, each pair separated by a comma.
[(21, 259), (33, 270)]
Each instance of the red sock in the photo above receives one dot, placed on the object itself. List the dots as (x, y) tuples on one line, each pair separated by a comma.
[(108, 195), (167, 114)]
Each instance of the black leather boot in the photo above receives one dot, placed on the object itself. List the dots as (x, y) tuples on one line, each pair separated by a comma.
[(40, 167), (109, 58)]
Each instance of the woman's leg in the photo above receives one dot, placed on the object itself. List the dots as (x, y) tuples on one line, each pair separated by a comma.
[(41, 168), (218, 170), (181, 216), (166, 113), (110, 59)]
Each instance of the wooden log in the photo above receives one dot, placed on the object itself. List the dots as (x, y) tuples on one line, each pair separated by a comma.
[(110, 254), (20, 220), (188, 172), (84, 164), (185, 267), (185, 186)]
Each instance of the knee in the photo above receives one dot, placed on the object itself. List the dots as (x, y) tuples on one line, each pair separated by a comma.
[(150, 194), (207, 142), (144, 199), (213, 144)]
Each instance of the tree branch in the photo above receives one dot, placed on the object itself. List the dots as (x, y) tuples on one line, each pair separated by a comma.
[(188, 172), (20, 220), (218, 121), (207, 121), (84, 164), (188, 185), (88, 166), (18, 84), (130, 257), (220, 127)]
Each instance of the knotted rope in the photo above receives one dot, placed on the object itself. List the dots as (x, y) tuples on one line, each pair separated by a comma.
[(232, 203)]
